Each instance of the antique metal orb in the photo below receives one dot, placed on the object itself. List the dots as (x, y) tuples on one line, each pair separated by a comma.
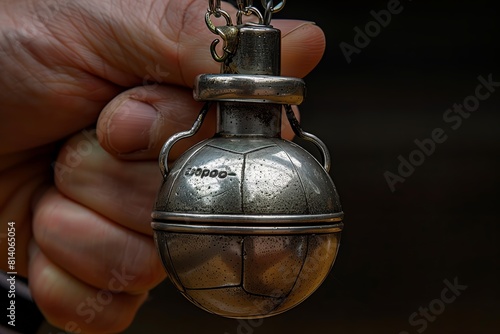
[(247, 227), (247, 224)]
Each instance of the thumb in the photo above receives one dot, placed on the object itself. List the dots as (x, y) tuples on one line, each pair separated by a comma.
[(133, 43)]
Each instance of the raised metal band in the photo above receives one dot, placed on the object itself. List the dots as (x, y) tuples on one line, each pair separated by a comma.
[(248, 219), (247, 224), (255, 230), (249, 88)]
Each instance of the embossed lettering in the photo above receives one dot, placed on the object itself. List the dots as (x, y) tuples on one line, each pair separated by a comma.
[(205, 172)]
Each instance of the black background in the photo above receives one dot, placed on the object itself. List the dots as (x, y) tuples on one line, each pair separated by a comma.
[(441, 224)]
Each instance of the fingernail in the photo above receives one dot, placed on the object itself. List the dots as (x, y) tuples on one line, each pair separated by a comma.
[(297, 27), (130, 126)]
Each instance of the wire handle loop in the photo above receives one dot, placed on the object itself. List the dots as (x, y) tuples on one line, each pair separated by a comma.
[(309, 137), (163, 158)]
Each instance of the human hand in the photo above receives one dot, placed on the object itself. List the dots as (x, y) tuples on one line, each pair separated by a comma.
[(85, 202)]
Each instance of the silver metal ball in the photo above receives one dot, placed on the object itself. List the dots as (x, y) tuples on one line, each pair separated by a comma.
[(247, 227)]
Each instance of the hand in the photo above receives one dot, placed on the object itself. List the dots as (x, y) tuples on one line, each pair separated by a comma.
[(81, 198)]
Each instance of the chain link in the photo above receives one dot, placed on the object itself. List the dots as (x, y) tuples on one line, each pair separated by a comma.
[(248, 11), (214, 6), (242, 4), (214, 9), (274, 9), (268, 11), (245, 8)]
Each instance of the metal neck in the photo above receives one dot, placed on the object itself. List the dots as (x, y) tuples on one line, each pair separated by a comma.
[(258, 53)]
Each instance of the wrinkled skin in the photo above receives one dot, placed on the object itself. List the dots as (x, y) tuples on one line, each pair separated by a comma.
[(81, 198)]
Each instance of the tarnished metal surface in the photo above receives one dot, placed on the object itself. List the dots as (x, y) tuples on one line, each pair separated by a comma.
[(248, 176), (247, 276), (247, 224), (249, 88)]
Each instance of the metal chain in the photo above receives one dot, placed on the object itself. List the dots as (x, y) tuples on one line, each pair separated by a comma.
[(270, 9), (247, 8), (214, 8), (274, 8), (227, 32), (248, 12)]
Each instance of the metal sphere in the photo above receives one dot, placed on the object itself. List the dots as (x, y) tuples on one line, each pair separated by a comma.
[(247, 227)]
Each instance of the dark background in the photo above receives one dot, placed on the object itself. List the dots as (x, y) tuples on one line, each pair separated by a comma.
[(441, 224)]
